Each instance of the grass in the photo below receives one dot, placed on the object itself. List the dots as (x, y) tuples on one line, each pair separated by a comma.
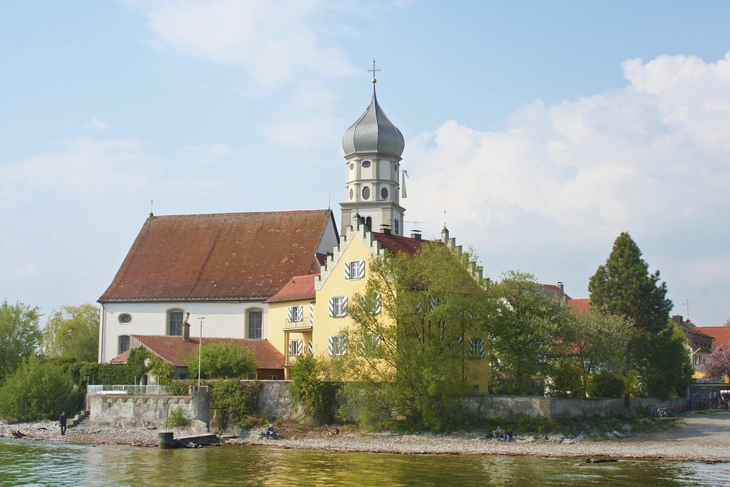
[(710, 411)]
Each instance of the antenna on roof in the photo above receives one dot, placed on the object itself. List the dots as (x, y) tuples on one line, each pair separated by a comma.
[(686, 306), (151, 202)]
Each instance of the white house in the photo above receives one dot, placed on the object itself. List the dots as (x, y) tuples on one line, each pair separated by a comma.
[(221, 267)]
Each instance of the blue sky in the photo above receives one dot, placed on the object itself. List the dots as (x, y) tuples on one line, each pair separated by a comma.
[(543, 129)]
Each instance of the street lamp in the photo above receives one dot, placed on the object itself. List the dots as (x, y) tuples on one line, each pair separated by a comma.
[(200, 348)]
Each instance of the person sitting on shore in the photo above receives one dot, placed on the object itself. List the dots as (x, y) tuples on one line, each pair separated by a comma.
[(271, 432), (509, 434), (498, 433)]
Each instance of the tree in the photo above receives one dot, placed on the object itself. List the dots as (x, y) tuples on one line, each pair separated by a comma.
[(407, 347), (223, 361), (312, 389), (718, 363), (20, 335), (624, 286), (593, 342), (73, 332), (37, 390), (523, 330)]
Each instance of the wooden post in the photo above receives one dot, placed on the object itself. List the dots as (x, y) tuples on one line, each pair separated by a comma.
[(165, 440)]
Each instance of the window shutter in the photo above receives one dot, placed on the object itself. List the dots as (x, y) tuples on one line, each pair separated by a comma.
[(311, 314), (291, 316), (360, 265), (377, 304), (476, 348), (343, 307), (310, 347), (332, 306), (348, 270), (343, 345), (299, 313), (331, 345)]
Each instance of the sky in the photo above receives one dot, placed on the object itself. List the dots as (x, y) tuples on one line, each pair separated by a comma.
[(536, 131)]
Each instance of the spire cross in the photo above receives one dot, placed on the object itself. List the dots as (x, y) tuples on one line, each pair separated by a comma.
[(374, 70)]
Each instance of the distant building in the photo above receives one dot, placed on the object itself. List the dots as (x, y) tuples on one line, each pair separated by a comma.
[(699, 342)]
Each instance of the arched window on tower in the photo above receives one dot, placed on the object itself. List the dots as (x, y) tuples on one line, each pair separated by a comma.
[(396, 226), (369, 223)]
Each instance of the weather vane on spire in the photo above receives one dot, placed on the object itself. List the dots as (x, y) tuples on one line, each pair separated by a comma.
[(374, 70)]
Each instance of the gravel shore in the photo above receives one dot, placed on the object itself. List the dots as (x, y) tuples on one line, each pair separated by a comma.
[(699, 437)]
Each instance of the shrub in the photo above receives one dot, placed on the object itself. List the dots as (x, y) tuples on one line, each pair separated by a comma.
[(309, 389), (234, 401), (606, 384), (179, 388), (223, 361), (37, 390), (177, 418)]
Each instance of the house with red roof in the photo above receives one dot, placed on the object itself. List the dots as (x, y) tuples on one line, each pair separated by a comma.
[(220, 268)]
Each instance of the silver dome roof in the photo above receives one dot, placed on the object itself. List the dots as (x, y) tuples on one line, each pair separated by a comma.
[(373, 132)]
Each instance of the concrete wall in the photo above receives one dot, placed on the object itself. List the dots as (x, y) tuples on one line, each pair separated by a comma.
[(125, 411)]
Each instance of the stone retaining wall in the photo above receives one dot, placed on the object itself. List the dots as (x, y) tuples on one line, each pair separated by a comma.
[(137, 411)]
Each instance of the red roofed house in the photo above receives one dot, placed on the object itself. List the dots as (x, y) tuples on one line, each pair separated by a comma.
[(220, 268), (699, 342)]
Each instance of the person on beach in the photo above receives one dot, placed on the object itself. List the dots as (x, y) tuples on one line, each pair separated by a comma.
[(498, 433), (62, 422), (271, 432)]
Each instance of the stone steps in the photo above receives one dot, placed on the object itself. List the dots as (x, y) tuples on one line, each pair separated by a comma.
[(76, 420)]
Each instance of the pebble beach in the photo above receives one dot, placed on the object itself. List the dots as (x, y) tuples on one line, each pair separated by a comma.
[(696, 438)]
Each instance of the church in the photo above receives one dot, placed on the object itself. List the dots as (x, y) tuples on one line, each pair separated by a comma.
[(282, 277)]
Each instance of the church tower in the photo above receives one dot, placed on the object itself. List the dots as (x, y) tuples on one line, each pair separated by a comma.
[(373, 148)]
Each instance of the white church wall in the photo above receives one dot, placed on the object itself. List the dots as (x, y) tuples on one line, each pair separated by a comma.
[(223, 319)]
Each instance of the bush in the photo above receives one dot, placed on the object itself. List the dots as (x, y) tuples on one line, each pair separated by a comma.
[(177, 418), (234, 401), (606, 384), (309, 389), (37, 390), (223, 361), (179, 388)]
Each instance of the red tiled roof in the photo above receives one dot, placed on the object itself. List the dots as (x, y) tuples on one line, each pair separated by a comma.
[(721, 334), (219, 256), (174, 349), (580, 304), (299, 287), (396, 244), (553, 290), (121, 358)]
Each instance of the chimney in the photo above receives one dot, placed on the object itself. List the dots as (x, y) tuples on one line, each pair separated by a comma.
[(186, 328), (416, 234), (561, 286), (385, 229)]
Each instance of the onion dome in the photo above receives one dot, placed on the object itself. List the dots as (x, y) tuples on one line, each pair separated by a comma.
[(373, 132)]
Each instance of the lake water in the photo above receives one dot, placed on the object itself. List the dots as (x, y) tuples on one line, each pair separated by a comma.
[(25, 463)]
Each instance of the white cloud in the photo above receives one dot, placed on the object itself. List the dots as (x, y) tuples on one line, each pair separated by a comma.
[(94, 124), (273, 41), (653, 155)]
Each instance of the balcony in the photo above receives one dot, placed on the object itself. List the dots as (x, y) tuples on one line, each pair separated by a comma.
[(304, 325)]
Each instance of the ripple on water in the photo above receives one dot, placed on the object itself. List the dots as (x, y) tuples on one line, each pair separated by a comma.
[(25, 463)]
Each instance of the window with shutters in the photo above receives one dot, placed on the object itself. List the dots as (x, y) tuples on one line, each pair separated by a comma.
[(370, 345), (337, 345), (123, 343), (355, 269), (475, 348), (338, 306), (295, 348), (296, 314)]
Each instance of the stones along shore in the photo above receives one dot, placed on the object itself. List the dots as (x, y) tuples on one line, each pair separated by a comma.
[(698, 437)]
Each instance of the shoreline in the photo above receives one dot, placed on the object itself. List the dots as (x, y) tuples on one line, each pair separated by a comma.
[(703, 438)]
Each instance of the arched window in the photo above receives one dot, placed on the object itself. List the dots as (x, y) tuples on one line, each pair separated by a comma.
[(174, 322), (255, 324), (123, 343), (369, 223)]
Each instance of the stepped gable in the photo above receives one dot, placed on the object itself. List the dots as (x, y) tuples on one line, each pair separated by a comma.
[(227, 256)]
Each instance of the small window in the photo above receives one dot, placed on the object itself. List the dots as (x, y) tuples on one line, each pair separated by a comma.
[(384, 193), (255, 325), (475, 348), (352, 165), (176, 322), (352, 194), (355, 269), (295, 347), (396, 226), (273, 377), (123, 343), (366, 193), (338, 306), (337, 345), (365, 164), (296, 314), (125, 318)]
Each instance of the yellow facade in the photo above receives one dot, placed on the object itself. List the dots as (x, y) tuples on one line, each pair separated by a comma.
[(283, 330)]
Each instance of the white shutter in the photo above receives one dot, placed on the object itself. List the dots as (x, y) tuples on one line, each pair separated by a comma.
[(310, 347), (343, 345), (299, 313), (331, 344), (311, 314), (332, 307), (360, 269), (291, 316), (377, 304), (348, 270), (343, 307)]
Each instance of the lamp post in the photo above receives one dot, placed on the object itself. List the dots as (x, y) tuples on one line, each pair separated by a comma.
[(200, 348)]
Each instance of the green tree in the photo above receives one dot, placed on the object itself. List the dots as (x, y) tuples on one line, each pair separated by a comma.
[(406, 349), (73, 332), (20, 335), (624, 286), (523, 330), (224, 360), (312, 389), (592, 342), (37, 390)]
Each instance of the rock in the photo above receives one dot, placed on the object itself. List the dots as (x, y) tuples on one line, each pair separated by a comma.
[(626, 427)]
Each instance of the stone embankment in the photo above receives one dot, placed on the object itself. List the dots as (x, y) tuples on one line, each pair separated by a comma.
[(698, 437)]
